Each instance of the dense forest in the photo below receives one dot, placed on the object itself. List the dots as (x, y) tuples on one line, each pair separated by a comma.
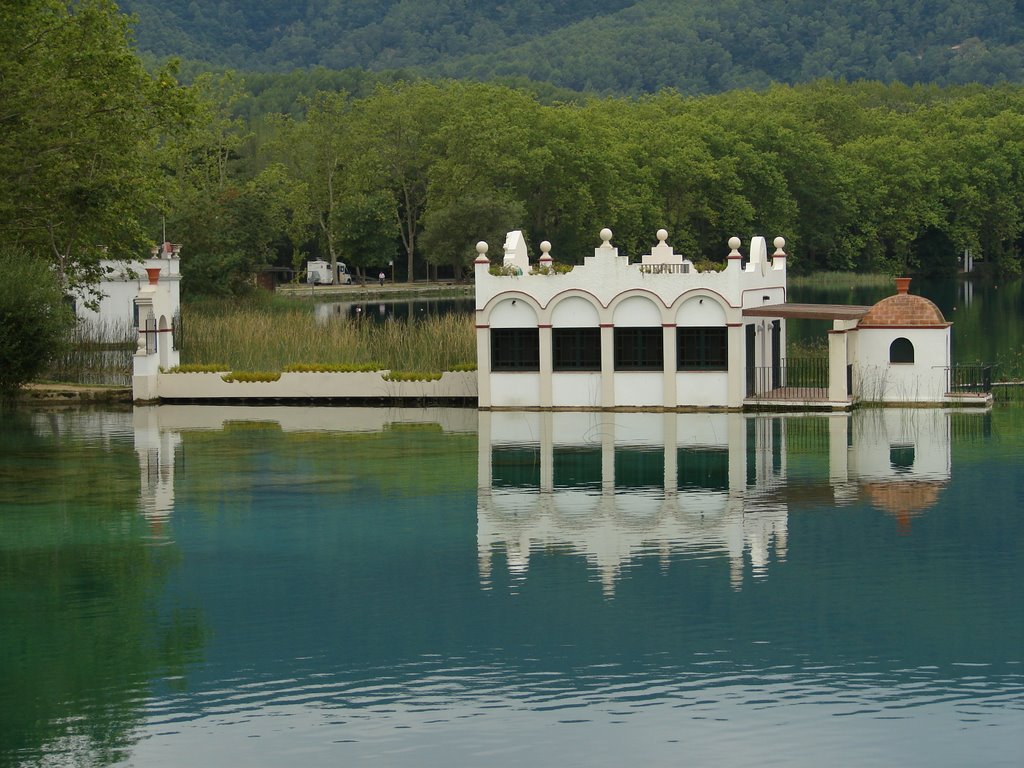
[(604, 46), (101, 153)]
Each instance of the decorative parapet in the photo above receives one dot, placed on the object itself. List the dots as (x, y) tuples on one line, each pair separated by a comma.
[(606, 274)]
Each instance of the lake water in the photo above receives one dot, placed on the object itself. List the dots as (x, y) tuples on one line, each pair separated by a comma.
[(437, 587), (987, 313)]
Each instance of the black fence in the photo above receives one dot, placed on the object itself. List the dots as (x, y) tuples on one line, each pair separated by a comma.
[(791, 379), (971, 377)]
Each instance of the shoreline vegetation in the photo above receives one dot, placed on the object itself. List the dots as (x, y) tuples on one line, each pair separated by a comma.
[(271, 334), (277, 332)]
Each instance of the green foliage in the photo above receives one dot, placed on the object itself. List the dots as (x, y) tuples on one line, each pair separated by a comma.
[(555, 268), (605, 46), (80, 123), (34, 318), (333, 367), (251, 376), (199, 368), (504, 270), (412, 376), (706, 265)]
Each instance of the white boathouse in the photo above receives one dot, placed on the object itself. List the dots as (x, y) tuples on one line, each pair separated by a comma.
[(662, 334)]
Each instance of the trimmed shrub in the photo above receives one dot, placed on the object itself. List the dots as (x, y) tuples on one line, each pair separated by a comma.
[(34, 318)]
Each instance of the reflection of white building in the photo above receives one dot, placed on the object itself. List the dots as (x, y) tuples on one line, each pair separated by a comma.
[(155, 448), (617, 487), (614, 487), (158, 434), (900, 460)]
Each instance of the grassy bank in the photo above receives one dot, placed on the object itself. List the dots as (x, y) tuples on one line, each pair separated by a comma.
[(270, 335)]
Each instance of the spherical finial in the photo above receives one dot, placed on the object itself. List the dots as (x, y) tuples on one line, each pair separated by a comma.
[(545, 247), (734, 243), (662, 235), (481, 248), (779, 242), (606, 237)]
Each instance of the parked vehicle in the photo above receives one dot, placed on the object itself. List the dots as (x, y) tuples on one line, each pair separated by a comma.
[(318, 272)]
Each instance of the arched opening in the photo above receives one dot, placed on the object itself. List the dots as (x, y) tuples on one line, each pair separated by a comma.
[(901, 351)]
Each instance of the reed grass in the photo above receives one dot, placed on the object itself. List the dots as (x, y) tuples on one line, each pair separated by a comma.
[(255, 337), (97, 352), (807, 349)]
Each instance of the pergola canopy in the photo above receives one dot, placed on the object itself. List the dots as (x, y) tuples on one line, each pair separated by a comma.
[(809, 311)]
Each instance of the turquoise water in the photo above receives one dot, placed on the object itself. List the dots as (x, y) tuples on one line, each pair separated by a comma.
[(321, 586), (987, 315)]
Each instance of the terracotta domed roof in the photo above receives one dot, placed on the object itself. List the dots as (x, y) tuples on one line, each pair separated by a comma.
[(904, 499), (903, 310)]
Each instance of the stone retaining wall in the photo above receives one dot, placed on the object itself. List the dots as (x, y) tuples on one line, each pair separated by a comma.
[(194, 387)]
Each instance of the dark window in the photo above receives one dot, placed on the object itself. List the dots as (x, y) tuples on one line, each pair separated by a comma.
[(639, 349), (576, 349), (576, 467), (515, 467), (704, 468), (702, 349), (639, 467), (901, 457), (901, 351), (515, 349)]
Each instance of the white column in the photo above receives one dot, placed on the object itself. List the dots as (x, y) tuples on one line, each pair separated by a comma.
[(607, 366), (546, 366), (483, 365), (669, 396), (837, 366), (737, 366)]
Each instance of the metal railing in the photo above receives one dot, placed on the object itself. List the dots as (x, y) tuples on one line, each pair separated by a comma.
[(666, 269), (792, 379), (971, 377)]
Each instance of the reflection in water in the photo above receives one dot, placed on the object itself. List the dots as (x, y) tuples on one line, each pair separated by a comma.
[(407, 309), (83, 632), (617, 487), (662, 589)]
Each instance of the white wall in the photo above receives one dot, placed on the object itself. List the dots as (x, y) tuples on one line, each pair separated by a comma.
[(636, 389), (515, 390), (576, 390), (704, 389), (878, 380)]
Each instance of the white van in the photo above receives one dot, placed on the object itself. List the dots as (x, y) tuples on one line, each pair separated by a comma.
[(318, 272)]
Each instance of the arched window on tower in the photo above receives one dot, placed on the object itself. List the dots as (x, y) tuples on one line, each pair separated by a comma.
[(901, 351)]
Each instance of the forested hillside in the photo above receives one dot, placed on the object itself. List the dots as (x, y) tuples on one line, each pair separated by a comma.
[(100, 155), (609, 46)]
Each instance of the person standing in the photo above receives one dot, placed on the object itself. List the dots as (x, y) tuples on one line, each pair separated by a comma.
[(381, 278)]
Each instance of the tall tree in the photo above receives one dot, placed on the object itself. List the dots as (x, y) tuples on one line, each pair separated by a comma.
[(396, 133), (79, 121)]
